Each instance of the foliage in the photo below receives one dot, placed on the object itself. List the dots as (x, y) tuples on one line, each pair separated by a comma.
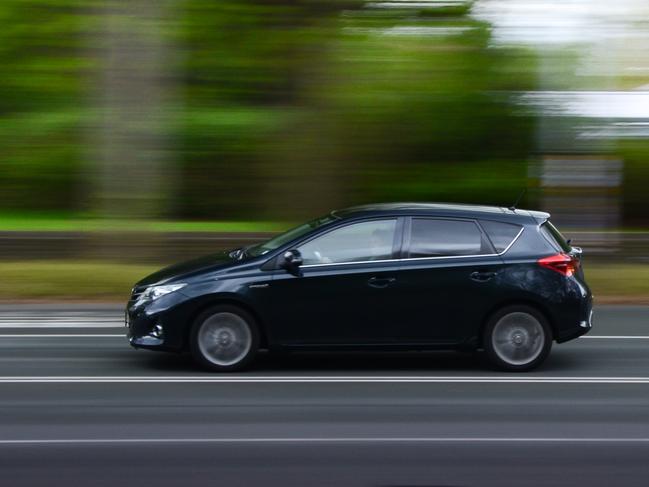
[(280, 109), (43, 77)]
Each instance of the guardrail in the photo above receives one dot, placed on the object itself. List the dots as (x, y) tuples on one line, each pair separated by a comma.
[(140, 247)]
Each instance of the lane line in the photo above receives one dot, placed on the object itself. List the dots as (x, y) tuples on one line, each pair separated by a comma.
[(616, 337), (317, 380), (48, 316), (54, 319), (121, 327), (63, 335), (298, 440), (62, 325), (62, 318)]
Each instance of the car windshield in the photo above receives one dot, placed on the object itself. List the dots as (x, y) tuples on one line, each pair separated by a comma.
[(279, 240)]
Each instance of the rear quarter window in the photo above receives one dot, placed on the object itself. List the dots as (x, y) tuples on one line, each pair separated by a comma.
[(501, 234), (550, 232)]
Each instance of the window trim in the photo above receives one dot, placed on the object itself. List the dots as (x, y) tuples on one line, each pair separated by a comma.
[(403, 227), (408, 259)]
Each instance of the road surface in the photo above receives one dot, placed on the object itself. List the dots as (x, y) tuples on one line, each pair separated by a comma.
[(78, 406)]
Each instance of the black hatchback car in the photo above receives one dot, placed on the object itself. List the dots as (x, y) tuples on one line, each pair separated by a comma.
[(382, 277)]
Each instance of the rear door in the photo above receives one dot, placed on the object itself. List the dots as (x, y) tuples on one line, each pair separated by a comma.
[(448, 280)]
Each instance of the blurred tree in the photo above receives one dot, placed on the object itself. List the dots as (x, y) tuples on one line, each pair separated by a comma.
[(318, 104), (42, 83), (236, 109), (246, 65), (132, 141)]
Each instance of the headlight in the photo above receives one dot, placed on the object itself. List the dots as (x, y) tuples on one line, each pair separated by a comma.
[(154, 292)]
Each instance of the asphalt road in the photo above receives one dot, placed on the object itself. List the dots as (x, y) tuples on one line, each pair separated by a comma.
[(79, 407)]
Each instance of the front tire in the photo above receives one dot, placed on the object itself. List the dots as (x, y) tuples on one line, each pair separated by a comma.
[(517, 338), (224, 339)]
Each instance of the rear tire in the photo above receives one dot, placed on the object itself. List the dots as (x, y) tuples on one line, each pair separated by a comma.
[(224, 339), (517, 338)]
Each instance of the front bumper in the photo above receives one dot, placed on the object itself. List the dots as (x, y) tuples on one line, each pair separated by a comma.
[(141, 330), (159, 324), (162, 324)]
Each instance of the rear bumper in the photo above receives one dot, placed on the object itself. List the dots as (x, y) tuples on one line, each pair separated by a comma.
[(583, 325)]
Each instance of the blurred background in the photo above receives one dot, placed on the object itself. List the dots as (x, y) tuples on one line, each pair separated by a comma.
[(137, 133)]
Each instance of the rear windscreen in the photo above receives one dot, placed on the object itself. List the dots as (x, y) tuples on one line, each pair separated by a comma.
[(500, 234), (554, 236)]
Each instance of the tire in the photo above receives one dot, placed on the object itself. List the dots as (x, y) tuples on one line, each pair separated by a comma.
[(238, 334), (517, 338)]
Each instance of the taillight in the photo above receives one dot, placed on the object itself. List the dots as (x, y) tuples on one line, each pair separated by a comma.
[(562, 263)]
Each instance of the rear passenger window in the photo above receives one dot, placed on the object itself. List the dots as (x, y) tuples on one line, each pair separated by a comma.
[(440, 238), (500, 234)]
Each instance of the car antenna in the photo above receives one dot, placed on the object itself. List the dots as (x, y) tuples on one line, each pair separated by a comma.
[(518, 200)]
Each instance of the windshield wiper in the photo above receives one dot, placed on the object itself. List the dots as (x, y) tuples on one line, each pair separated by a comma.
[(241, 252), (236, 253)]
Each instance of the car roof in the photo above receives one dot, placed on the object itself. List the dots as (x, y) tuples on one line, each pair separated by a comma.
[(442, 209)]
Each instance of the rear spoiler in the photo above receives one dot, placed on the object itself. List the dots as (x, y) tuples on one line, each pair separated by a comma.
[(540, 216)]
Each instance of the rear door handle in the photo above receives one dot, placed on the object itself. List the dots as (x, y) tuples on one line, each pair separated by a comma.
[(479, 276), (380, 282)]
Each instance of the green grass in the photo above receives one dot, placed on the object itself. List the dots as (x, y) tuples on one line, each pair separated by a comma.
[(619, 282), (62, 223), (76, 281), (104, 281)]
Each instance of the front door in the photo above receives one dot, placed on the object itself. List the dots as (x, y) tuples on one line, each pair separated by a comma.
[(347, 294)]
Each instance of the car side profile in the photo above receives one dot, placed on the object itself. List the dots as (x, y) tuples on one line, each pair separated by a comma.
[(399, 276)]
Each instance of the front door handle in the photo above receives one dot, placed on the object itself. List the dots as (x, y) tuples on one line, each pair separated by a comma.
[(380, 282), (482, 276)]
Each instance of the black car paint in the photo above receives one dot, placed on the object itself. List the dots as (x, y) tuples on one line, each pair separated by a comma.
[(398, 303)]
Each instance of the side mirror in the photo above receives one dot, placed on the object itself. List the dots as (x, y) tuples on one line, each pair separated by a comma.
[(291, 262)]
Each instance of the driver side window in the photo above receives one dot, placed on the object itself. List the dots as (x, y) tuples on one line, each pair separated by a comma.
[(371, 240)]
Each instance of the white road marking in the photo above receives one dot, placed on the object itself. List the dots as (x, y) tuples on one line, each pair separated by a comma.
[(66, 324), (320, 379), (62, 318), (360, 439), (121, 327), (617, 337), (63, 335)]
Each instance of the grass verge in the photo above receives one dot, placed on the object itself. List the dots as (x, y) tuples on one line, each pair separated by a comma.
[(104, 281), (69, 281)]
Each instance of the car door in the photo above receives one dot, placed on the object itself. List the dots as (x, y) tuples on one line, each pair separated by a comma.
[(448, 280), (346, 292)]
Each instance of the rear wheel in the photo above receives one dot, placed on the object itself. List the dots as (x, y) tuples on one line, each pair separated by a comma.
[(517, 338), (224, 339)]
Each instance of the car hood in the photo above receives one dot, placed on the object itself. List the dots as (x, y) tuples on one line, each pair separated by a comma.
[(188, 269)]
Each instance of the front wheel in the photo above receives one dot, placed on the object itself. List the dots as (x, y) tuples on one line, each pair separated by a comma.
[(224, 339), (517, 339)]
